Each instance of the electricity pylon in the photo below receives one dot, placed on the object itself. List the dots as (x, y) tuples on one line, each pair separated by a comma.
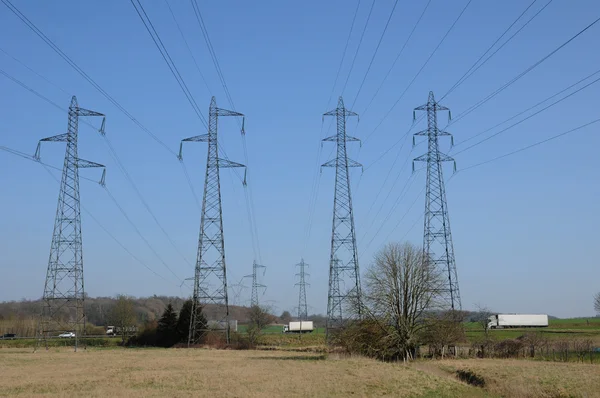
[(302, 305), (255, 284), (437, 240), (210, 276), (343, 261), (63, 307)]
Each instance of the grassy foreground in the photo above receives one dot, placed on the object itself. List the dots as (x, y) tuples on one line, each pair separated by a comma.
[(198, 372), (100, 372)]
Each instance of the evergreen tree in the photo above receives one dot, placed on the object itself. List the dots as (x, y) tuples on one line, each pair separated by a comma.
[(167, 328), (183, 324)]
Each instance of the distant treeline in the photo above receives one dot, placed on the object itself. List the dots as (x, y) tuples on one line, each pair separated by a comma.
[(99, 309)]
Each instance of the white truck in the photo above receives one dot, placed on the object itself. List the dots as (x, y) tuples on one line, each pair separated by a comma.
[(299, 327), (116, 330), (500, 321)]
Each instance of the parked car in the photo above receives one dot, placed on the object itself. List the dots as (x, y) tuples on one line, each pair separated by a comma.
[(8, 336), (67, 335)]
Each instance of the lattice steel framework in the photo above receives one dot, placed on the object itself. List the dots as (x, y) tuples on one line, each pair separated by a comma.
[(437, 240), (302, 305), (344, 277), (210, 276), (63, 298), (255, 283)]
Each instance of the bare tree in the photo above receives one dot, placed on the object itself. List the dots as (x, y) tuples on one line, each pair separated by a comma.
[(123, 316), (443, 329), (400, 290), (482, 318), (597, 303), (259, 319)]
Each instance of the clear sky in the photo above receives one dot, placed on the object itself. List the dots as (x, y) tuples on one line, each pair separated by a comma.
[(524, 227)]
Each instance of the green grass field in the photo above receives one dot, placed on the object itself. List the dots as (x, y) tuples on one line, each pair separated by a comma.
[(557, 328), (277, 329)]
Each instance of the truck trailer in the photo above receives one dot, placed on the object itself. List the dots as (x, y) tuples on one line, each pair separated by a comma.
[(299, 327), (500, 321)]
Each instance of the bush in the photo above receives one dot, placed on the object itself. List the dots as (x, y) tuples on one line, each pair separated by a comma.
[(147, 337)]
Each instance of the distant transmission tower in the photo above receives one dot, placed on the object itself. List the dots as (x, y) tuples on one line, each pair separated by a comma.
[(63, 299), (210, 276), (343, 262), (255, 284), (302, 305), (437, 240)]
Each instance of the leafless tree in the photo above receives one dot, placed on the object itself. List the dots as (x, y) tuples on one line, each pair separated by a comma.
[(259, 319), (482, 317), (443, 330), (123, 316), (597, 303), (400, 290)]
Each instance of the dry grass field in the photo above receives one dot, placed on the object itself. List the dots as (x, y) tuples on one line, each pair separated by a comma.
[(217, 373), (525, 378), (183, 373)]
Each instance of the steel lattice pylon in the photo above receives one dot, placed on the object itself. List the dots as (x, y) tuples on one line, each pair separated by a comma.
[(437, 240), (210, 276), (63, 299), (343, 262), (302, 305), (255, 284)]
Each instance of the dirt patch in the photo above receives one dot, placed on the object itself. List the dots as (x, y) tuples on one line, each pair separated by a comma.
[(470, 377)]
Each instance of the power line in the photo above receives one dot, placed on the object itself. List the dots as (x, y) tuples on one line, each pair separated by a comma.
[(34, 72), (465, 76), (29, 157), (47, 168), (520, 75), (188, 46), (375, 53), (115, 157), (532, 145), (528, 117), (26, 87), (66, 58), (167, 58), (137, 231), (526, 110), (337, 75), (420, 70), (358, 48), (247, 189), (474, 67), (211, 50), (405, 189), (397, 56)]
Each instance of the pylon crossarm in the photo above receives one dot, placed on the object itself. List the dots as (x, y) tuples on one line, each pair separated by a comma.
[(354, 163), (87, 112), (331, 163), (198, 138), (225, 112), (56, 138), (82, 163), (224, 163)]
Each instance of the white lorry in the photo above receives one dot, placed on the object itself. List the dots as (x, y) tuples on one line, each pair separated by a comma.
[(116, 330), (499, 321), (299, 327)]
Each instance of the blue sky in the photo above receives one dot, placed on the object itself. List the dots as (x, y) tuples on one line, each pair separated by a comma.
[(524, 227)]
